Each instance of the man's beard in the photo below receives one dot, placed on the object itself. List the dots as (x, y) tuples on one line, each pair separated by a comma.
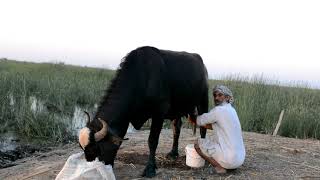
[(218, 103)]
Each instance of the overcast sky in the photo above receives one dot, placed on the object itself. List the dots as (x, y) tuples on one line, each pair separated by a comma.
[(279, 38)]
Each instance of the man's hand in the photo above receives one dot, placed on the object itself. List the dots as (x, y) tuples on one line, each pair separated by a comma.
[(192, 119), (207, 126)]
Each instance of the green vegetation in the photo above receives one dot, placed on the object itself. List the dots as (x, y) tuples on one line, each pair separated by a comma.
[(259, 104), (59, 88)]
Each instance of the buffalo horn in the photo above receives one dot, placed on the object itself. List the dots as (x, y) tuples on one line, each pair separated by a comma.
[(102, 133)]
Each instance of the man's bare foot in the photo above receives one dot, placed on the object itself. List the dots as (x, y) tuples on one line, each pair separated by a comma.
[(220, 170)]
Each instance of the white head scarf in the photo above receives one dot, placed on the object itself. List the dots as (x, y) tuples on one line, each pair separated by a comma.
[(225, 91)]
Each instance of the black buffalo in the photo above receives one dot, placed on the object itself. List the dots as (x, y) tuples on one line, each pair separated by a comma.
[(149, 83)]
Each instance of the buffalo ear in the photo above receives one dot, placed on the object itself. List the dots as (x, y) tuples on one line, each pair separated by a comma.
[(88, 118)]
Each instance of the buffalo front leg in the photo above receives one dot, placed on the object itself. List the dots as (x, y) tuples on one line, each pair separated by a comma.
[(176, 128), (156, 126)]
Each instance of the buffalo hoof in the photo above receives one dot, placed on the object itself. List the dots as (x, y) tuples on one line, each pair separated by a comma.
[(149, 171), (172, 155)]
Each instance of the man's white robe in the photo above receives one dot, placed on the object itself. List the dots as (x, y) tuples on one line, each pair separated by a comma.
[(226, 144)]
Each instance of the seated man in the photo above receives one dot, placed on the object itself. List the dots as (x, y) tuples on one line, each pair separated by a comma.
[(225, 149)]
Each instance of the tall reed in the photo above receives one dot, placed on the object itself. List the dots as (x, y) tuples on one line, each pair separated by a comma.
[(60, 88), (259, 101)]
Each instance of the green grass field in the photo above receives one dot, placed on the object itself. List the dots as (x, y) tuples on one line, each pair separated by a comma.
[(61, 87)]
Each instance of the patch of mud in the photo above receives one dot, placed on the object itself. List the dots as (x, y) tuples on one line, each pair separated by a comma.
[(12, 149), (9, 157), (162, 161)]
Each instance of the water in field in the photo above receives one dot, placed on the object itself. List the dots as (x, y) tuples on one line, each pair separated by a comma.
[(8, 142), (13, 148), (8, 146), (74, 123), (79, 121), (36, 105)]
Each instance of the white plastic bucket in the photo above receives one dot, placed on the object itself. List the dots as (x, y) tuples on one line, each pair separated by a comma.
[(193, 159)]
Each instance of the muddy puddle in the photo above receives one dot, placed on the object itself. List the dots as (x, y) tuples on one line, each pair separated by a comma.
[(13, 148)]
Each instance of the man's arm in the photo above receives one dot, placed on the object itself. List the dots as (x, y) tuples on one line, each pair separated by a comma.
[(193, 120), (207, 118)]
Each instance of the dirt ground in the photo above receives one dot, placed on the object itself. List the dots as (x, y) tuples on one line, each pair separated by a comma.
[(267, 157)]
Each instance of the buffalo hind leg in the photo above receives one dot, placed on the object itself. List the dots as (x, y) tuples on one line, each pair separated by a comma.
[(176, 128), (156, 126)]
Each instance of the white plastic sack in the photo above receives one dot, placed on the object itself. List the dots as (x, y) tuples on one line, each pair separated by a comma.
[(77, 167)]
